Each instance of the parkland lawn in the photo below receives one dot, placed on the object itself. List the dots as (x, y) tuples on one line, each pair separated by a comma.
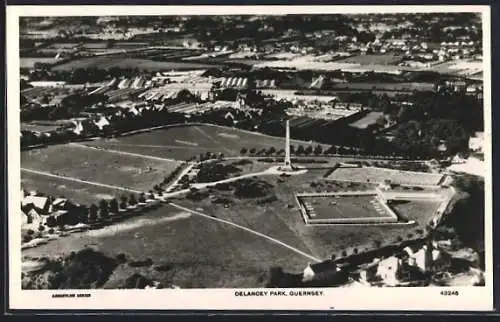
[(195, 252)]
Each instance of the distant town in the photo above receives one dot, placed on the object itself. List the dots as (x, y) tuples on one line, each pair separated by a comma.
[(252, 151)]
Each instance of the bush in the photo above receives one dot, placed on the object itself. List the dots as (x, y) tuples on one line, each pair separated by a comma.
[(144, 263), (30, 232), (121, 258)]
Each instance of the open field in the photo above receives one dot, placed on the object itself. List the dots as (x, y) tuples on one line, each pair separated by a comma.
[(122, 62), (377, 175), (281, 218), (198, 252), (369, 119), (29, 62), (183, 142), (81, 193), (371, 59), (462, 67), (115, 169), (38, 127), (413, 210), (389, 87)]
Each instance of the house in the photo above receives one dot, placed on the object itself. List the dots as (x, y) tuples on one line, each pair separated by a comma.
[(32, 219), (476, 142), (39, 203), (458, 159), (387, 270), (78, 129), (385, 185), (101, 122), (428, 258), (318, 271)]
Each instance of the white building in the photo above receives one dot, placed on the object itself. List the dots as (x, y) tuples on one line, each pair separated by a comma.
[(387, 270), (476, 142)]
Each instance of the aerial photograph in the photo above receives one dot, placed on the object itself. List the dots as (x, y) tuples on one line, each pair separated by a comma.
[(252, 151)]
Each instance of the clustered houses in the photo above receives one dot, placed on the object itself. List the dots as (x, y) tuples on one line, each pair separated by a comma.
[(412, 265), (38, 210)]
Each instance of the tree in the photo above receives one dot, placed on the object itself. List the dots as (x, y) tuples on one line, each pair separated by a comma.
[(355, 251), (131, 200), (318, 150), (142, 198), (123, 202), (252, 150), (377, 243), (344, 253), (243, 151), (113, 206), (93, 209), (300, 150), (103, 208), (308, 150)]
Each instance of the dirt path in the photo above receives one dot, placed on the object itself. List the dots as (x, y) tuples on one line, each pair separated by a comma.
[(310, 257), (144, 156)]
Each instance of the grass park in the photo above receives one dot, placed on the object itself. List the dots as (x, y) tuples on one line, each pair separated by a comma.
[(228, 235)]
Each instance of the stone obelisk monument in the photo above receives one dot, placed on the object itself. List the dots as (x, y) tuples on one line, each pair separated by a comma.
[(287, 166)]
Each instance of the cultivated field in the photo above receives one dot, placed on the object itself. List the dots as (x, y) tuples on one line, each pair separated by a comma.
[(371, 59), (392, 87), (194, 251), (103, 167), (106, 62), (38, 127), (29, 62), (367, 120), (377, 175)]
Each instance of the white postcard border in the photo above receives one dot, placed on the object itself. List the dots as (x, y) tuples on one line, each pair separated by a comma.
[(420, 298)]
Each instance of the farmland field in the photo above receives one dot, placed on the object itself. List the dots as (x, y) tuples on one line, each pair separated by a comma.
[(385, 86), (367, 120), (371, 59), (29, 62), (199, 252), (38, 127), (122, 62), (83, 163)]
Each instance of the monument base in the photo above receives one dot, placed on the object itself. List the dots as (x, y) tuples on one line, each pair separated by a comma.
[(288, 170)]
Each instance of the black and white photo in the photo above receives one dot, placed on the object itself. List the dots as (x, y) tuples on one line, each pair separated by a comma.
[(269, 155)]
